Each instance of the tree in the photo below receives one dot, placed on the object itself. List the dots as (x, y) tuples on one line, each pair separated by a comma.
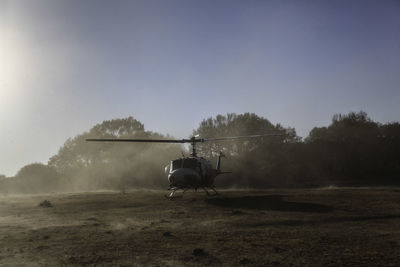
[(36, 178), (389, 142), (255, 162), (107, 165), (348, 149)]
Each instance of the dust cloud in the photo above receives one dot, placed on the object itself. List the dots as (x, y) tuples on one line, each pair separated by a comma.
[(88, 166)]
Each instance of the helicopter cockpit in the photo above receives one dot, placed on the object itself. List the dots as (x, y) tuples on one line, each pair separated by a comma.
[(189, 163)]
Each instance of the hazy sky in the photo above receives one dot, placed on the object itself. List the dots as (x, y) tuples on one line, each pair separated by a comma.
[(67, 65)]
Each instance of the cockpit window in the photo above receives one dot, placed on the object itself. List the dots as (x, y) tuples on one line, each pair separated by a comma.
[(184, 163), (176, 164), (190, 164)]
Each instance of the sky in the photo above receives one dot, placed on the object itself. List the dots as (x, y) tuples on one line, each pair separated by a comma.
[(66, 65)]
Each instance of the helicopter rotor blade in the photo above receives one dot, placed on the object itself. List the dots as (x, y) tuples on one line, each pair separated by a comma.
[(191, 140), (135, 140), (239, 137), (144, 140)]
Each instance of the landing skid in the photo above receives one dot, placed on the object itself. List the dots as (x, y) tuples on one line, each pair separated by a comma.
[(215, 193), (174, 189)]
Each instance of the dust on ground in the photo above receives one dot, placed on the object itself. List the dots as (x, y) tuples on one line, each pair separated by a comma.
[(272, 227)]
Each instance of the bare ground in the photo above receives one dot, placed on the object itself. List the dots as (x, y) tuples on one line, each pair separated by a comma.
[(301, 227)]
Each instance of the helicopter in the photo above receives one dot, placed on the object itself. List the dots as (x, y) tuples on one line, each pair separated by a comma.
[(191, 172)]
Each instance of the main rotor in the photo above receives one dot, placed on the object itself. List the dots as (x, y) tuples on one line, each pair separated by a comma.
[(193, 140)]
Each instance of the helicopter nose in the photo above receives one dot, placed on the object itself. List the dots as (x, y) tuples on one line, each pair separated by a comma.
[(176, 178), (183, 177)]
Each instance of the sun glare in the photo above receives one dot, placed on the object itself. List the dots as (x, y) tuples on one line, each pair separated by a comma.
[(15, 67)]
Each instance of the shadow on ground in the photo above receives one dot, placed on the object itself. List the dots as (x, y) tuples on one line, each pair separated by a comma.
[(338, 220), (267, 202)]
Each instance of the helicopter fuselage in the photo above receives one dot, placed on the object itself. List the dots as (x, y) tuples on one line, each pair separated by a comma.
[(191, 172)]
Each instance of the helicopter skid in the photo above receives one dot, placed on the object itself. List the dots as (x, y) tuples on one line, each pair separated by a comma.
[(213, 189), (172, 194), (174, 189)]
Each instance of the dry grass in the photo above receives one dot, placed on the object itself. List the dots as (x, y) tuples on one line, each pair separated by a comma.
[(273, 227)]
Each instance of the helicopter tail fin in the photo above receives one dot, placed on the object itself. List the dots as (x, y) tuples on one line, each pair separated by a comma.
[(218, 168)]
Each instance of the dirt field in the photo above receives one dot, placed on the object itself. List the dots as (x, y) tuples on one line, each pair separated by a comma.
[(264, 228)]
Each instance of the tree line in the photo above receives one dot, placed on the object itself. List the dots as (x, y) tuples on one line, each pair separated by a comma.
[(352, 151)]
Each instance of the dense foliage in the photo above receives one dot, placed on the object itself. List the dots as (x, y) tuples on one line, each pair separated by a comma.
[(355, 150), (32, 178), (80, 165), (352, 150), (266, 161)]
